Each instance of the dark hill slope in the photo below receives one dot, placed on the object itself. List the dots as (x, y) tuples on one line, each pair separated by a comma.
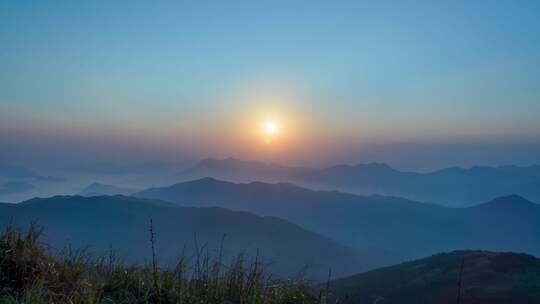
[(407, 228), (488, 277), (123, 222)]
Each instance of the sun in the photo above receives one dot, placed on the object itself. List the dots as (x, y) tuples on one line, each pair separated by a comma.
[(271, 128)]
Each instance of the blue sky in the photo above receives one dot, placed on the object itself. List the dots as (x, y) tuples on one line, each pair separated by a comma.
[(342, 72)]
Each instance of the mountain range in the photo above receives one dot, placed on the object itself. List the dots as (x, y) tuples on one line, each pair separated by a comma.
[(292, 227), (450, 186), (403, 228), (122, 222)]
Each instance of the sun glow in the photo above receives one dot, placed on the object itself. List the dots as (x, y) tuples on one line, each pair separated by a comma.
[(271, 128)]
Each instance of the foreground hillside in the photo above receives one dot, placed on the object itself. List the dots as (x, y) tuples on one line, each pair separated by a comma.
[(405, 228), (487, 277), (97, 223), (30, 274)]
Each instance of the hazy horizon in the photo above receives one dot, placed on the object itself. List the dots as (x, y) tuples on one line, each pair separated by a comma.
[(444, 84), (50, 152)]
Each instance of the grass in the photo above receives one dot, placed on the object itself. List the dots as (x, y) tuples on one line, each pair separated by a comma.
[(30, 273)]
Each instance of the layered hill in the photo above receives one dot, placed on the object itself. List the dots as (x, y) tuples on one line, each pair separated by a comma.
[(96, 223), (450, 186), (408, 229)]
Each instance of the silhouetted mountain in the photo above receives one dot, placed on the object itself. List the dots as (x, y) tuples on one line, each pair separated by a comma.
[(123, 222), (15, 187), (402, 227), (241, 171), (451, 186), (487, 278), (98, 189)]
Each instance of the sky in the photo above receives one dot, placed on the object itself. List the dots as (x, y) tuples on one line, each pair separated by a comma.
[(417, 84)]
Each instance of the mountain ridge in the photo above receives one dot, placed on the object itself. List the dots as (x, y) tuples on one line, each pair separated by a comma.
[(452, 186), (408, 228), (122, 221)]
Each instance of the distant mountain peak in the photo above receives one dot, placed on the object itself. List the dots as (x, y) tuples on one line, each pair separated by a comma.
[(208, 180), (199, 183), (508, 202), (211, 181)]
